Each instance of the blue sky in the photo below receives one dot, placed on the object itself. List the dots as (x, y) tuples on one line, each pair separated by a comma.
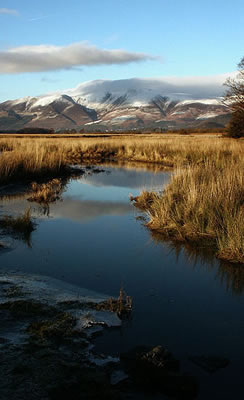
[(104, 39)]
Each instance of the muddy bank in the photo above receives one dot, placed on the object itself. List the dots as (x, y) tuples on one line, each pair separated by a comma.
[(47, 352), (46, 336)]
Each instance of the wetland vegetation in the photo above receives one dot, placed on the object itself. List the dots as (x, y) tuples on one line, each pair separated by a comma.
[(203, 202)]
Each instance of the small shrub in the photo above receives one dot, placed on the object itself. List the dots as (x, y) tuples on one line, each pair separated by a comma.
[(235, 129)]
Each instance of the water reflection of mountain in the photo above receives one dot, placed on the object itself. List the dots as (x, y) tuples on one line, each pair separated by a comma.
[(137, 165), (229, 274)]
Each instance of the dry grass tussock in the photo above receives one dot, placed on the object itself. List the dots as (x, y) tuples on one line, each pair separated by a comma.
[(20, 226), (122, 305), (202, 203), (26, 159), (20, 223), (46, 193)]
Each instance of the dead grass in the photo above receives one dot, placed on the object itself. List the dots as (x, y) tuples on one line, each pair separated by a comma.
[(122, 306), (145, 200), (203, 203), (21, 223), (40, 157), (21, 226), (204, 199), (46, 193)]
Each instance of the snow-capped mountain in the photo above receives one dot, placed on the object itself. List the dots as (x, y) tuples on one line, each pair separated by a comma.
[(125, 104)]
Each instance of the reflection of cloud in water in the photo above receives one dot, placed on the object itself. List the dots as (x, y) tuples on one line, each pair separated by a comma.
[(77, 210), (128, 178)]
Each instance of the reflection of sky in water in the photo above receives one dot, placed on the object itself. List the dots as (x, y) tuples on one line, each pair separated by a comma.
[(135, 179), (96, 194), (86, 191), (116, 185), (81, 210), (93, 240)]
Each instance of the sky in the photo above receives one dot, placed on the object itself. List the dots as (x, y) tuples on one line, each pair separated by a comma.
[(53, 45)]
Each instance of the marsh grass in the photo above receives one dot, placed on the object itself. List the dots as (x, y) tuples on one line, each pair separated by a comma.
[(41, 157), (21, 226), (145, 200), (122, 305), (30, 160), (202, 204), (46, 193)]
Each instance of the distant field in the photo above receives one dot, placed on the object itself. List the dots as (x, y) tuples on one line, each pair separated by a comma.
[(106, 134)]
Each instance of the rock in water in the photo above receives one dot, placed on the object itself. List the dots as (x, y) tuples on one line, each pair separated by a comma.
[(156, 370)]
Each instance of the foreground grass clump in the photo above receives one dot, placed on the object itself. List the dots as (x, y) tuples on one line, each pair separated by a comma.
[(202, 204)]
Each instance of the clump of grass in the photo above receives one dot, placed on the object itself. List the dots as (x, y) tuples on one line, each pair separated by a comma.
[(122, 306), (22, 226), (144, 201), (203, 204), (28, 160), (22, 223), (46, 193)]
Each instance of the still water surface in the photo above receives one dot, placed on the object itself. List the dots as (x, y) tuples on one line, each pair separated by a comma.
[(185, 300)]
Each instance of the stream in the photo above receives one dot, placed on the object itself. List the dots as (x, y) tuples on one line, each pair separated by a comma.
[(183, 298)]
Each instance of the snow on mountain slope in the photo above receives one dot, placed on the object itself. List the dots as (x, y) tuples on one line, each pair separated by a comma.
[(44, 101), (215, 102), (125, 103), (139, 92)]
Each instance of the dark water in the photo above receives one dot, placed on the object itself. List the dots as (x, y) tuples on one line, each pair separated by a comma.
[(184, 299)]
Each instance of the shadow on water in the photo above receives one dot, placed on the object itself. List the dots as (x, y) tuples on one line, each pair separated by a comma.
[(231, 275)]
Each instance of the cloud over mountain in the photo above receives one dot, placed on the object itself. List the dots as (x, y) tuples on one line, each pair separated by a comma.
[(48, 57), (142, 90)]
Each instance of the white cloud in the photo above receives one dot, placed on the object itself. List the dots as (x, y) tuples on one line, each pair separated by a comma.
[(142, 90), (48, 57), (8, 11)]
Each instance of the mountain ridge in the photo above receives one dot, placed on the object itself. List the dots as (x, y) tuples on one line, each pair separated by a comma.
[(123, 104)]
